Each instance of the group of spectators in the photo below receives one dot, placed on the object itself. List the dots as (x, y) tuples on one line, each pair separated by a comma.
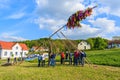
[(76, 58)]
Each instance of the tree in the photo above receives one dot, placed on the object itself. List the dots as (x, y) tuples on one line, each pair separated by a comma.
[(100, 43)]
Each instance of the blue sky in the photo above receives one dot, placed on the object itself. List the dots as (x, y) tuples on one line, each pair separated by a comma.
[(34, 19)]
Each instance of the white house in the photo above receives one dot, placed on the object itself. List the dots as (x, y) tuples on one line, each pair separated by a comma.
[(83, 45), (12, 49)]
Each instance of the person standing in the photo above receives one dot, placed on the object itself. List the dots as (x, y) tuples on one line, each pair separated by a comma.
[(66, 55), (83, 55), (43, 60), (8, 60), (52, 59), (15, 60), (62, 57), (79, 57), (76, 55), (70, 58), (39, 60)]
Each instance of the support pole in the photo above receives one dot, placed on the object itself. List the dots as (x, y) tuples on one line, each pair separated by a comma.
[(50, 46), (57, 31)]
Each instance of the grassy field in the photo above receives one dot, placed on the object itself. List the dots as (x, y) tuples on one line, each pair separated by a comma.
[(30, 71), (105, 57)]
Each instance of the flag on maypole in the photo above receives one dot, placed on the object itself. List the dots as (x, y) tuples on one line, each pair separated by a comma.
[(74, 19)]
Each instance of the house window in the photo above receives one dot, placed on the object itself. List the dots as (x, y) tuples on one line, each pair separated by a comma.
[(21, 53), (16, 53), (11, 54), (17, 48), (24, 53), (5, 54), (84, 47)]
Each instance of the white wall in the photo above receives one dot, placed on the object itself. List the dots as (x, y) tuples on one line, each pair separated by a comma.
[(16, 51), (83, 45)]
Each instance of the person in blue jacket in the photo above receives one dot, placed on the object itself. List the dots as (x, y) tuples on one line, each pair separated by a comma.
[(52, 59), (39, 60), (83, 55)]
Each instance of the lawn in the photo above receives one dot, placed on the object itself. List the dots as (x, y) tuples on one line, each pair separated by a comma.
[(30, 71), (105, 57)]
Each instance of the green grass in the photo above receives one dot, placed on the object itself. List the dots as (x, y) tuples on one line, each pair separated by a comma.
[(30, 71), (105, 57)]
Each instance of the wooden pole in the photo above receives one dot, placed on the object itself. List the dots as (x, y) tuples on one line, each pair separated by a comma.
[(50, 46), (57, 31)]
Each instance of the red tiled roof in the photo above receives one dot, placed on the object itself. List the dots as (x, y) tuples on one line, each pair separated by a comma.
[(24, 47), (6, 45), (9, 45), (114, 42)]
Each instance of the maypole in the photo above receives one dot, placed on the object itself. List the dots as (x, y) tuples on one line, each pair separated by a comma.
[(73, 22)]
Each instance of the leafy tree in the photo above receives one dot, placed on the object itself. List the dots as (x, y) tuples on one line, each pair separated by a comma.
[(100, 43)]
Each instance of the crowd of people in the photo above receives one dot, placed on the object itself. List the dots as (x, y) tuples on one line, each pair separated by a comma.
[(76, 58)]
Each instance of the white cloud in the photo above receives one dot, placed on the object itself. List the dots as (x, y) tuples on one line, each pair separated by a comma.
[(104, 24), (41, 3), (58, 8), (49, 24), (9, 36), (106, 27), (82, 33), (112, 7), (104, 10), (101, 27), (16, 15)]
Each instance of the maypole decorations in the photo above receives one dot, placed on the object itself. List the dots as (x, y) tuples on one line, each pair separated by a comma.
[(75, 18)]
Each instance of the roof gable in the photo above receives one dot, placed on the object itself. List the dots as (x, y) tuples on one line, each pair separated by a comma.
[(6, 45), (9, 45), (24, 47)]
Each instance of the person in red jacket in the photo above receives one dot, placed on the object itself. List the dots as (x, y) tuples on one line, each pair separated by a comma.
[(62, 57), (76, 56)]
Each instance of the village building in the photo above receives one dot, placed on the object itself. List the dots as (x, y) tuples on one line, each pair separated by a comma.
[(39, 49), (84, 45), (12, 49), (114, 44)]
